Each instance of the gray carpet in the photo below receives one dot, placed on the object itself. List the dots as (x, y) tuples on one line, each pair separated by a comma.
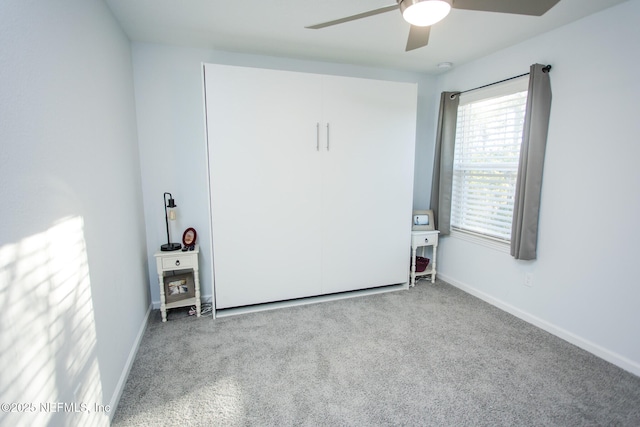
[(429, 356)]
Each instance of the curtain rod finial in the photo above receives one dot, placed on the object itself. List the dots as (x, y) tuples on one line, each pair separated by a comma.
[(546, 69)]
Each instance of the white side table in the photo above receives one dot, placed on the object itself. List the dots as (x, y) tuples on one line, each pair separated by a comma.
[(174, 261), (422, 239)]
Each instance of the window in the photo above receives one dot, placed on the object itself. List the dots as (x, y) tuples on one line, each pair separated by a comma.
[(487, 152)]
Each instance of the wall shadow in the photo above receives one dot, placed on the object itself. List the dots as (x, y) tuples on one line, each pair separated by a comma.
[(50, 372)]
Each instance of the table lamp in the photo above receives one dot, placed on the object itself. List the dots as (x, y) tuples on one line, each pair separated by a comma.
[(169, 204)]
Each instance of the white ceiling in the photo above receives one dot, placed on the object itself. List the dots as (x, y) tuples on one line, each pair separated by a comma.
[(276, 27)]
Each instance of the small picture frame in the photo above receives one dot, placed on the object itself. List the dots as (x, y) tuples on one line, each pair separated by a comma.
[(179, 287), (422, 220), (189, 237)]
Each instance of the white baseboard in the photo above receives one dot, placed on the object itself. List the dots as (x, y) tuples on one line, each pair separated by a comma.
[(115, 398), (597, 350), (225, 312)]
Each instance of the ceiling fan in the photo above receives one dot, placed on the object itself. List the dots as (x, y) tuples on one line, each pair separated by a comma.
[(421, 14)]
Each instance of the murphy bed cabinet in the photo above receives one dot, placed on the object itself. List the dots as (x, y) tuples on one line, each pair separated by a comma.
[(311, 180)]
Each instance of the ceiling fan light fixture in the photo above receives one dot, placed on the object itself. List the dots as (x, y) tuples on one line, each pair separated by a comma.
[(423, 13)]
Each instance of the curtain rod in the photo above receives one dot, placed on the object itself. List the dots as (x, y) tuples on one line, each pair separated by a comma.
[(545, 69)]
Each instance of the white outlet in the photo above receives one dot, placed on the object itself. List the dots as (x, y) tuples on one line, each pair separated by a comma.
[(528, 279)]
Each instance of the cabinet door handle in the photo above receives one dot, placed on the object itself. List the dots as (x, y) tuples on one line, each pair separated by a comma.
[(318, 136), (327, 136), (177, 262), (426, 240)]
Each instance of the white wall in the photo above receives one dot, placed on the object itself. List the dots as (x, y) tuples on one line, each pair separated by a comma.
[(585, 285), (169, 102), (73, 274)]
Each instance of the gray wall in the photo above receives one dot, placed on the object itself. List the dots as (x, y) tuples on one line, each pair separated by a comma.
[(585, 287), (169, 102), (73, 268)]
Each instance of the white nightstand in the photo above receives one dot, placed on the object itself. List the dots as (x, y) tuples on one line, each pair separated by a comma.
[(173, 261), (422, 239)]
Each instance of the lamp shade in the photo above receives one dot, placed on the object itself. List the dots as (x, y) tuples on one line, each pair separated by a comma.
[(423, 13)]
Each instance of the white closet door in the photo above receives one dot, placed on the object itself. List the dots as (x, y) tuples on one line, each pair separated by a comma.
[(265, 181), (368, 182)]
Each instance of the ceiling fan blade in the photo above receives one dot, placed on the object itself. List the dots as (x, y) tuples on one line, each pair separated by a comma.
[(418, 37), (519, 7), (354, 17)]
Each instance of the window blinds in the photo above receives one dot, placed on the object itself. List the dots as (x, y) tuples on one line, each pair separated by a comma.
[(487, 152)]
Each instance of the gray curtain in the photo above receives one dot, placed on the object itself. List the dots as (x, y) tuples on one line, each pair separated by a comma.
[(441, 184), (524, 228)]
